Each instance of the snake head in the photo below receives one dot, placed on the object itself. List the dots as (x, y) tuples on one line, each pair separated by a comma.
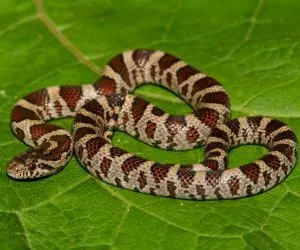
[(28, 165)]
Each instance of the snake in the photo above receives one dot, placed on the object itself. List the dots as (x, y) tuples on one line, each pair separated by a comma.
[(108, 105)]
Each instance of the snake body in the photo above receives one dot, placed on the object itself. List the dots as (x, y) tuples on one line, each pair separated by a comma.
[(106, 105)]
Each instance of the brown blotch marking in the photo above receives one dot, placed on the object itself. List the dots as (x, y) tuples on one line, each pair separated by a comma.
[(203, 83), (225, 160), (273, 125), (252, 171), (285, 169), (20, 134), (58, 108), (211, 164), (107, 115), (85, 119), (249, 190), (219, 133), (64, 142), (81, 132), (234, 126), (201, 191), (245, 134), (214, 145), (20, 113), (131, 164), (125, 119), (152, 191), (169, 79), (142, 180), (175, 123), (45, 166), (119, 66), (213, 178), (153, 72), (208, 116), (134, 75), (234, 185), (157, 142), (64, 145), (278, 178), (150, 129), (171, 188), (137, 132), (254, 122), (88, 163), (125, 178), (116, 152), (192, 135), (267, 177), (160, 171), (98, 173), (285, 135), (39, 130), (39, 98), (185, 175), (271, 161), (105, 166), (184, 90), (185, 72), (216, 97), (167, 61), (71, 95), (193, 197), (93, 145), (213, 154), (118, 182), (80, 151), (94, 107), (172, 145), (138, 108), (285, 149), (157, 111), (105, 86), (218, 194), (141, 56)]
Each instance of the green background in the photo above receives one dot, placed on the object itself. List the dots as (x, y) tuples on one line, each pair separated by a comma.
[(252, 47)]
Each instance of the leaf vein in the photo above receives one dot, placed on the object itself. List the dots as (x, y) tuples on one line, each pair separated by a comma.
[(50, 25), (18, 23), (253, 22)]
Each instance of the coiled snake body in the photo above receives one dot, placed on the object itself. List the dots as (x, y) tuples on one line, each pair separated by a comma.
[(101, 107)]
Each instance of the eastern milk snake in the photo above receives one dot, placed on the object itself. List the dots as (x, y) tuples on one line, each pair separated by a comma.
[(101, 107)]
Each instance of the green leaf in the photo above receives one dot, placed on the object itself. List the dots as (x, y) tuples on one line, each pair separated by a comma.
[(252, 47)]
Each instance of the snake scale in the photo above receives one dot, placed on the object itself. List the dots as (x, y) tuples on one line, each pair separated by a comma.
[(106, 105)]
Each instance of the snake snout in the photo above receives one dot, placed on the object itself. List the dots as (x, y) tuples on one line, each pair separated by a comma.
[(17, 169), (25, 166)]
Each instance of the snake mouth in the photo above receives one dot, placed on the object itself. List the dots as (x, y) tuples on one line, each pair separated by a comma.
[(17, 169)]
